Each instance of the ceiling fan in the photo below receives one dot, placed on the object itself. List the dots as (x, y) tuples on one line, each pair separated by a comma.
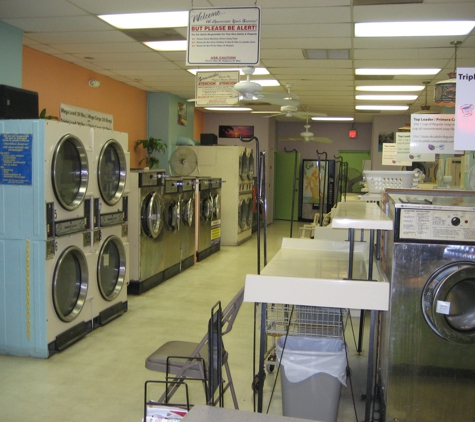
[(293, 111), (308, 136)]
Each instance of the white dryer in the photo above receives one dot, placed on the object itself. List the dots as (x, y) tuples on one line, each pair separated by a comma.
[(111, 184), (111, 250)]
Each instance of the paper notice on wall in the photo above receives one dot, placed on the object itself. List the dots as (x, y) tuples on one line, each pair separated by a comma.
[(404, 157), (389, 155), (224, 36), (433, 133), (464, 109)]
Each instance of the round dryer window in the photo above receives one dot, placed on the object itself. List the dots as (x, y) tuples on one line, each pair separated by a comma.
[(152, 211), (250, 212), (206, 208), (448, 302), (70, 172), (243, 165), (216, 206), (242, 214), (111, 268), (250, 173), (173, 216), (112, 172), (187, 211), (70, 284)]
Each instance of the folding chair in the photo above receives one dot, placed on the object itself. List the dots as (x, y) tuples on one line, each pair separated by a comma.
[(183, 361)]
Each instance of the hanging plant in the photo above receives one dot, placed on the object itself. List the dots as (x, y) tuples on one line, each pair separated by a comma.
[(150, 146)]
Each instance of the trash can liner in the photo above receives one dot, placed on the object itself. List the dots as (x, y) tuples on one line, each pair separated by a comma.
[(305, 356)]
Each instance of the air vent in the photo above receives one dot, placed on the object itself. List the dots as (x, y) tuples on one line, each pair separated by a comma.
[(374, 77), (378, 2)]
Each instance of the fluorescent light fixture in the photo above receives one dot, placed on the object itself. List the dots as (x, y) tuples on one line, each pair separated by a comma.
[(179, 45), (386, 97), (334, 119), (382, 107), (257, 70), (228, 108), (396, 71), (390, 88), (413, 29), (148, 20)]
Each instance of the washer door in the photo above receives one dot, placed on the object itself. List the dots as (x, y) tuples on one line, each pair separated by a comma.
[(70, 283), (242, 214), (111, 172), (217, 206), (152, 215), (70, 172), (448, 302), (206, 208), (111, 268), (173, 216), (250, 173), (187, 211)]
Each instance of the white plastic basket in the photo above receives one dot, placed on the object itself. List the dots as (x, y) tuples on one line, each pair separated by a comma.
[(379, 180)]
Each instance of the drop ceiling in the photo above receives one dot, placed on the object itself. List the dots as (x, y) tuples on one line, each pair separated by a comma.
[(70, 30)]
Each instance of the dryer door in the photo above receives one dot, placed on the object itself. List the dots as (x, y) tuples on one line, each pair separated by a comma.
[(111, 268), (187, 211), (242, 214), (70, 172), (217, 206), (448, 302), (250, 210), (70, 283), (250, 173), (243, 165), (152, 215), (111, 172)]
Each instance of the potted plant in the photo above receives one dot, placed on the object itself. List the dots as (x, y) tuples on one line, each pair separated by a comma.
[(150, 146)]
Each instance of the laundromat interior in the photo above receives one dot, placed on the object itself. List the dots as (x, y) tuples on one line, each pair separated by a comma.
[(273, 219)]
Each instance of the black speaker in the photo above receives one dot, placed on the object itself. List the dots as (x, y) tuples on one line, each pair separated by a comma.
[(17, 103), (209, 139)]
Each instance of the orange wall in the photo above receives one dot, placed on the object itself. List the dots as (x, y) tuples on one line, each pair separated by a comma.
[(199, 127), (58, 81)]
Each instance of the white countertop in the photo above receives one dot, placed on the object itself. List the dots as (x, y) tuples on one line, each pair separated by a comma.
[(313, 272), (360, 215)]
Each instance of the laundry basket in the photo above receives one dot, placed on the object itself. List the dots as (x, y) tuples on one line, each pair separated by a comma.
[(379, 180)]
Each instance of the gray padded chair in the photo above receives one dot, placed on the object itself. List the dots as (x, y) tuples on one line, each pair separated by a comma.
[(189, 361)]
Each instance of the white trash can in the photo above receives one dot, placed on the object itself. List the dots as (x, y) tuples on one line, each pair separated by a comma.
[(312, 372)]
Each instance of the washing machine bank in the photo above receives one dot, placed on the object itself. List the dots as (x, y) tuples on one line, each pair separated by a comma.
[(49, 263)]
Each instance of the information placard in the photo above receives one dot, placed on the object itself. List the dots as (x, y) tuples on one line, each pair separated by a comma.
[(404, 157), (16, 159), (433, 133), (464, 109), (224, 36), (85, 117), (216, 88)]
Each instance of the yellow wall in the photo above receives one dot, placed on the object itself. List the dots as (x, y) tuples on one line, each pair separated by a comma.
[(58, 81)]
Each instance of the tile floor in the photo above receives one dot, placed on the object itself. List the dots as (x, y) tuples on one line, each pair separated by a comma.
[(101, 377)]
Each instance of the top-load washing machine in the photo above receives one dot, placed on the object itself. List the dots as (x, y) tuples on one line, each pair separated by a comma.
[(172, 226), (45, 236), (188, 221), (146, 231), (427, 356), (111, 184)]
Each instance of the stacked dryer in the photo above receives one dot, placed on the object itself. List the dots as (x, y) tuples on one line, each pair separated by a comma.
[(110, 240), (146, 230), (235, 166), (188, 221), (46, 258)]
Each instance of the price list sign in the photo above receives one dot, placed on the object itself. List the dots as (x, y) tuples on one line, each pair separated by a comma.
[(224, 36), (16, 159)]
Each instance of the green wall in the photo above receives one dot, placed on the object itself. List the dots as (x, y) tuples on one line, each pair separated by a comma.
[(11, 53)]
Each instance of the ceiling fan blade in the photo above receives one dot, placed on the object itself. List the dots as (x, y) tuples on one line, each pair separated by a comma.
[(304, 115)]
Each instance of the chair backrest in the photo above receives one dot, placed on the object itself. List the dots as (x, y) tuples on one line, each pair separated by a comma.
[(231, 311)]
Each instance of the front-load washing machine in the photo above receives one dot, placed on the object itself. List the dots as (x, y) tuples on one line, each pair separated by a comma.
[(111, 164), (172, 226), (146, 221), (427, 357), (187, 226), (205, 207), (215, 191), (111, 248)]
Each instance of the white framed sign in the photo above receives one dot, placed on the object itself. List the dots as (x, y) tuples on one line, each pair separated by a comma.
[(224, 36), (404, 157), (465, 109), (433, 133), (216, 88), (85, 117)]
